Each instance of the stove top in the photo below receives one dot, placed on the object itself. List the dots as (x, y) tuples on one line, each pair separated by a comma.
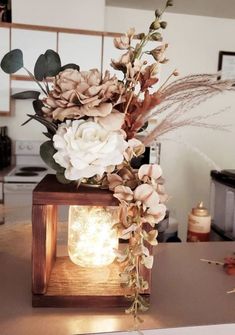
[(30, 167), (27, 174)]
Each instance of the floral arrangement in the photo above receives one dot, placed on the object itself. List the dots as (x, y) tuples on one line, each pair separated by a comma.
[(93, 121)]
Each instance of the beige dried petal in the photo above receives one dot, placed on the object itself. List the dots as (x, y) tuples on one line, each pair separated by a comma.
[(114, 180), (123, 212), (151, 237), (126, 233), (137, 146), (152, 171), (131, 32), (147, 261), (158, 212), (126, 174), (147, 195), (123, 193), (120, 254), (102, 110), (150, 219), (113, 121), (122, 42), (63, 113)]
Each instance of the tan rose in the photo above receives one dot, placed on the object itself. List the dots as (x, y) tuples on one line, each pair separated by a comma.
[(77, 94)]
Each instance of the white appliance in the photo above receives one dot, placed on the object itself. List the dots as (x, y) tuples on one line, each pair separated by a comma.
[(20, 182), (222, 203)]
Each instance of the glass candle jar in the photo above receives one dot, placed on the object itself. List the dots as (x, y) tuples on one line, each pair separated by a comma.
[(91, 235)]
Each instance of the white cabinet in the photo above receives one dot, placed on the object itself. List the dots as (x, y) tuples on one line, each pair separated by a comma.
[(4, 78), (32, 43), (83, 50)]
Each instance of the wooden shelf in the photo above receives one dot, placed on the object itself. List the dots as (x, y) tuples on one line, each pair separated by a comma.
[(73, 286), (70, 194)]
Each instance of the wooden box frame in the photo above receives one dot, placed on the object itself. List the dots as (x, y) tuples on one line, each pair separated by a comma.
[(56, 281)]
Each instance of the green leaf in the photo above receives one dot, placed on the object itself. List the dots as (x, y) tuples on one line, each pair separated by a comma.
[(26, 95), (61, 178), (70, 66), (37, 106), (49, 125), (47, 152), (24, 123), (40, 68), (53, 63), (12, 61), (48, 135)]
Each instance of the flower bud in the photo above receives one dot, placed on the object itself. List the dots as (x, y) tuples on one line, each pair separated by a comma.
[(156, 37), (140, 36), (164, 61), (176, 73), (169, 3), (157, 13), (155, 25), (163, 24)]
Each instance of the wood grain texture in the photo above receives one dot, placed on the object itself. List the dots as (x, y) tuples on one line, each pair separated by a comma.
[(58, 29), (74, 286), (68, 278), (50, 191), (91, 302), (44, 221)]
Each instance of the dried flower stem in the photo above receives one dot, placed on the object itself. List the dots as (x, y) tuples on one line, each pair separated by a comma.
[(232, 291)]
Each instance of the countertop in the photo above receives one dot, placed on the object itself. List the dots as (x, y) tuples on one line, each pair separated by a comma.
[(185, 291)]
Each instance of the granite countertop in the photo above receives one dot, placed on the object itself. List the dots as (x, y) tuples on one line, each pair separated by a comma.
[(185, 291)]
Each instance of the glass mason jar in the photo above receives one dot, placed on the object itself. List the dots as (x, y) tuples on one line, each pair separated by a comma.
[(91, 235)]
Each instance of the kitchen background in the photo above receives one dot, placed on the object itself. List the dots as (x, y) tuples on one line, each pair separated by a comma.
[(187, 155)]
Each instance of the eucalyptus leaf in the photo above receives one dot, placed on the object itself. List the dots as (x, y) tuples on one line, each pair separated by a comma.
[(40, 68), (49, 135), (53, 63), (12, 61), (70, 66), (37, 106), (49, 125), (26, 95), (61, 178), (24, 123), (47, 151)]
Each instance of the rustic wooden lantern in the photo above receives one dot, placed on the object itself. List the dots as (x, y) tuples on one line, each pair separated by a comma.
[(57, 281)]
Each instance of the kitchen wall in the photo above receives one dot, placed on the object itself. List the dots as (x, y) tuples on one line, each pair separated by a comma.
[(189, 154)]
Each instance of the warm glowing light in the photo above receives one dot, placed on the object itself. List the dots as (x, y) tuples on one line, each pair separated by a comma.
[(91, 236)]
